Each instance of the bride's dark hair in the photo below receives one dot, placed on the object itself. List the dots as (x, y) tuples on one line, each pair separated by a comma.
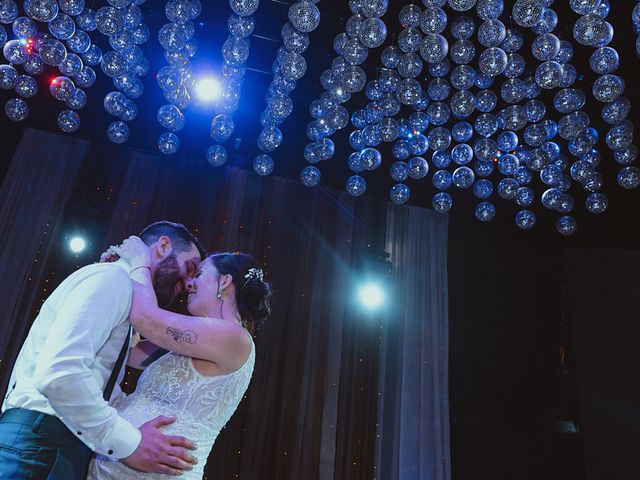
[(253, 293)]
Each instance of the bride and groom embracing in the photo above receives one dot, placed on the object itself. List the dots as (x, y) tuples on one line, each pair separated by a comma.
[(63, 400)]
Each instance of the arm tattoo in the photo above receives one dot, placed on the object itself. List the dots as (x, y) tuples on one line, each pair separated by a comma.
[(186, 336)]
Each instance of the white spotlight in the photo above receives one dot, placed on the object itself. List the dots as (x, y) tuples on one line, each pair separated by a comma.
[(208, 89), (77, 244), (371, 296)]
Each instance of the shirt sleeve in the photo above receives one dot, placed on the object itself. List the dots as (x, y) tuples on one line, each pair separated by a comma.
[(91, 309)]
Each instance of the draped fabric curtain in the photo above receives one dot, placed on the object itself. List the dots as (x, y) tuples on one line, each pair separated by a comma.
[(413, 406), (33, 195), (321, 366)]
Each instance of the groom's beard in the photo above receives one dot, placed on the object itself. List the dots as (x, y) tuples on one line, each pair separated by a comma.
[(165, 279)]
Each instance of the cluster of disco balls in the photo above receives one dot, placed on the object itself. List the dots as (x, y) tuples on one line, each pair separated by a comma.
[(67, 46), (235, 52), (635, 17), (121, 22), (472, 123), (175, 79), (288, 67), (364, 30)]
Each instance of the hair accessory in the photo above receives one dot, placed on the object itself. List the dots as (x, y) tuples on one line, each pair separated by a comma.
[(253, 273)]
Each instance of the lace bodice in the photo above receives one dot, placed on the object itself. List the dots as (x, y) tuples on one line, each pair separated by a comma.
[(172, 386)]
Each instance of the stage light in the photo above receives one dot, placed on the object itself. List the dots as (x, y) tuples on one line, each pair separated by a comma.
[(77, 244), (371, 296), (208, 89)]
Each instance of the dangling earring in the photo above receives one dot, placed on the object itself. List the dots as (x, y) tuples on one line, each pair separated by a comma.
[(220, 290)]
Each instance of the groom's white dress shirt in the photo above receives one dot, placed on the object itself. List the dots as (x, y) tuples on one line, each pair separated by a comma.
[(69, 355)]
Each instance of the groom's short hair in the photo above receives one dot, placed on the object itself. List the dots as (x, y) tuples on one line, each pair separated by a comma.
[(180, 237)]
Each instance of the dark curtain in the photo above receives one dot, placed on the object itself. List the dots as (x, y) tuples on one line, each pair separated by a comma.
[(311, 410), (34, 193), (603, 290)]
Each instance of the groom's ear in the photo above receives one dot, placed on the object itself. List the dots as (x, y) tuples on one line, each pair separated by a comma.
[(163, 247)]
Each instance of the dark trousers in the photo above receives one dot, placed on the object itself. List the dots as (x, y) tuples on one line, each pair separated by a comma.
[(35, 445)]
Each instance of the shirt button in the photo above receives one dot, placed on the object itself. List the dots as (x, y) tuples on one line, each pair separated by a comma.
[(110, 452)]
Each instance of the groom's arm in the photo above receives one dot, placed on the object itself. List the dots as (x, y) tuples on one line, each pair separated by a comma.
[(84, 321)]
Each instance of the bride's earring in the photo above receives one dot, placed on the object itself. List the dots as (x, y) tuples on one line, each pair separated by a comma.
[(219, 292)]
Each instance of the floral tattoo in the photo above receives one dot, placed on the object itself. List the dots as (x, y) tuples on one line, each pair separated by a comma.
[(186, 336)]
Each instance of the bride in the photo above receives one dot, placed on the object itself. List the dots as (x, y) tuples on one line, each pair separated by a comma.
[(203, 378)]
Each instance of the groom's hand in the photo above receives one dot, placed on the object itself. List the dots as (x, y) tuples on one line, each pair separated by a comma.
[(159, 453)]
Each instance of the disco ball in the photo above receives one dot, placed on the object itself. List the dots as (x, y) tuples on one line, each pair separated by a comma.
[(168, 143), (607, 88), (373, 32), (508, 164), (410, 16), (118, 132), (61, 88), (462, 28), (305, 16), (433, 20), (527, 13), (442, 179), (40, 10), (566, 225), (604, 60), (548, 75), (77, 100), (442, 202), (491, 33), (68, 121), (461, 5), (244, 7), (463, 177), (171, 118), (16, 109), (356, 185), (493, 61), (26, 86), (62, 27), (310, 176), (52, 52), (399, 193), (628, 177), (489, 9), (109, 20), (590, 30), (222, 127), (525, 219), (596, 203), (434, 48), (485, 211)]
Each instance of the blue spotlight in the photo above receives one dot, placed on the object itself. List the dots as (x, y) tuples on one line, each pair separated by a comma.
[(371, 296), (77, 244), (208, 89)]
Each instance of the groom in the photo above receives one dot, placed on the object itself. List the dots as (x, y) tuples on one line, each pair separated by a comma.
[(57, 407)]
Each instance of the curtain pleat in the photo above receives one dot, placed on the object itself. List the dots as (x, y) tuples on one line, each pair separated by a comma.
[(413, 407), (33, 195)]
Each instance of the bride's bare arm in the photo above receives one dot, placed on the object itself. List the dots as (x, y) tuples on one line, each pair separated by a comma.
[(212, 339)]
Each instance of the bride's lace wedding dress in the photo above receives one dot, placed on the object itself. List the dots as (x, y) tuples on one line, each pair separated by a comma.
[(171, 386)]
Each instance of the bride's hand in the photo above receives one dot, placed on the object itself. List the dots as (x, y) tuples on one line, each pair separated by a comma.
[(134, 251)]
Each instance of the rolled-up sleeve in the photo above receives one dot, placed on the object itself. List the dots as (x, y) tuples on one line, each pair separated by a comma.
[(84, 322)]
